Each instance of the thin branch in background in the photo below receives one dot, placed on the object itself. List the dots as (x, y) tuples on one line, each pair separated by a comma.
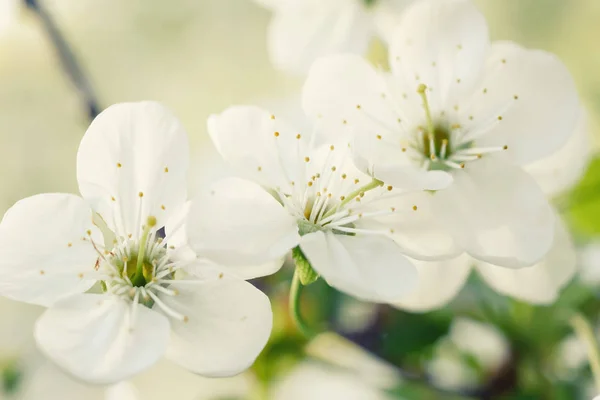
[(68, 60)]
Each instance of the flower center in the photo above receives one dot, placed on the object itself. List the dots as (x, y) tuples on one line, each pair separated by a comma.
[(320, 214), (141, 270), (443, 146)]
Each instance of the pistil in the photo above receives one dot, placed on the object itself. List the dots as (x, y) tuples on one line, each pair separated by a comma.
[(138, 278)]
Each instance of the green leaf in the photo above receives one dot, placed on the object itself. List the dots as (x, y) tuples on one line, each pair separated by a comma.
[(305, 271), (584, 202)]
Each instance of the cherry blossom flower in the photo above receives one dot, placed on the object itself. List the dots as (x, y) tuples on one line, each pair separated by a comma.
[(309, 198), (303, 30), (131, 170), (457, 105)]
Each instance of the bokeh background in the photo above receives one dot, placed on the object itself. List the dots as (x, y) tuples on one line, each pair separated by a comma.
[(200, 56)]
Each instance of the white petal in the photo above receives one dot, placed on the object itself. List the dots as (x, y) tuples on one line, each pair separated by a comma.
[(239, 224), (442, 44), (335, 87), (533, 93), (122, 391), (300, 32), (136, 154), (562, 169), (387, 16), (45, 249), (228, 324), (439, 283), (497, 213), (541, 283), (94, 338), (260, 146), (412, 225), (372, 268), (317, 381), (350, 101)]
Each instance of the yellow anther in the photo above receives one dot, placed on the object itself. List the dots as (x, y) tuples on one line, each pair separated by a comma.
[(151, 221), (141, 194), (307, 159), (276, 134), (421, 88), (166, 169), (298, 136), (414, 208), (119, 165)]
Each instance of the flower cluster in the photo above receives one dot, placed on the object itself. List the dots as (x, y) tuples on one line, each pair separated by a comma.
[(408, 179)]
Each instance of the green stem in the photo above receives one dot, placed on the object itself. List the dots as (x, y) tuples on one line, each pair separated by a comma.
[(295, 293), (363, 189), (586, 334)]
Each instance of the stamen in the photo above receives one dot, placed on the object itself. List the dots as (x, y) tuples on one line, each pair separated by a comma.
[(168, 310)]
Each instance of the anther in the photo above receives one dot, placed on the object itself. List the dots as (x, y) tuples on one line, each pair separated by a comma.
[(505, 147), (298, 136), (151, 221), (307, 159), (379, 137), (332, 147), (141, 194), (276, 134), (119, 165), (414, 208), (389, 188), (166, 169)]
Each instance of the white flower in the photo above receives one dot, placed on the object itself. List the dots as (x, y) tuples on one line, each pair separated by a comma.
[(303, 30), (131, 169), (482, 341), (318, 381), (454, 104), (440, 281), (312, 196)]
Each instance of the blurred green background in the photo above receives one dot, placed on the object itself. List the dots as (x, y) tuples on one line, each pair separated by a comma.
[(200, 56)]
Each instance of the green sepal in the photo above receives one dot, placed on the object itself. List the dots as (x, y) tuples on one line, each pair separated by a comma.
[(306, 273)]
